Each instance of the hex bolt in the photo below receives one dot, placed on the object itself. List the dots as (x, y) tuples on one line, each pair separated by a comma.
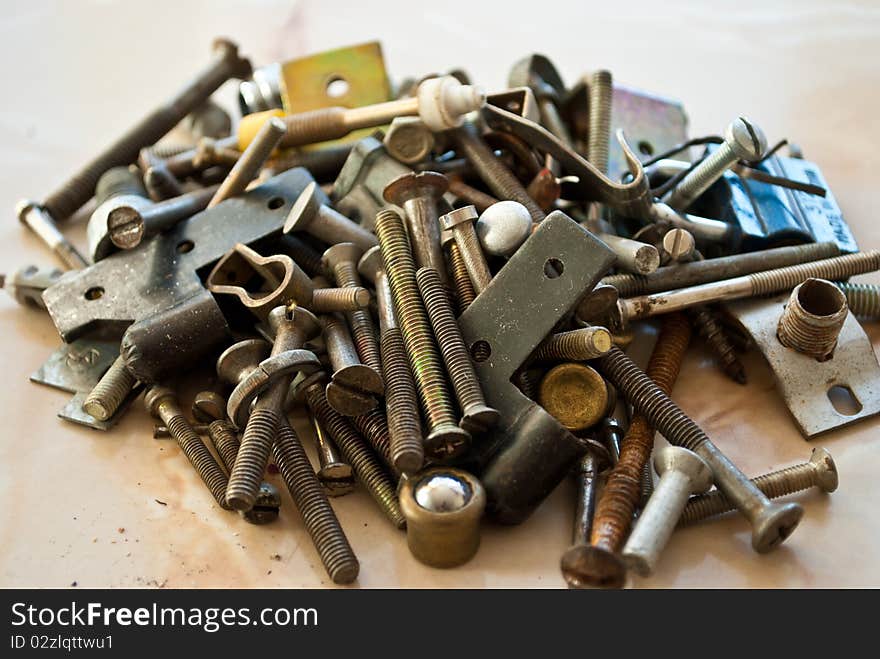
[(862, 299), (462, 286), (38, 220), (682, 473), (440, 103), (342, 259), (771, 523), (743, 140), (77, 190), (759, 283), (633, 256), (575, 345), (408, 140), (210, 407), (706, 323), (162, 403), (445, 439), (354, 387), (813, 318), (597, 564), (291, 329), (726, 267), (366, 465), (417, 194), (324, 223), (251, 161), (461, 223), (311, 501), (336, 475), (470, 195), (820, 471), (503, 227), (406, 447), (110, 392), (499, 179), (477, 416), (601, 91)]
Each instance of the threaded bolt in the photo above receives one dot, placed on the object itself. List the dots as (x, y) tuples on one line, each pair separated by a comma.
[(813, 318), (820, 471), (374, 427), (162, 403), (252, 159), (401, 403), (210, 407), (311, 501), (461, 223), (227, 64), (862, 299), (576, 345), (110, 392), (461, 280), (38, 220), (601, 91), (771, 523), (743, 140), (499, 179), (367, 467), (477, 416), (329, 300), (445, 439), (713, 334)]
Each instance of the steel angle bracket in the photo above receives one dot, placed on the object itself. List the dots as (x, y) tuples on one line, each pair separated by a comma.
[(529, 452), (105, 298), (805, 383)]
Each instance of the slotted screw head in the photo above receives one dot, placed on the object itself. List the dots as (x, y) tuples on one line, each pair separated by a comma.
[(266, 505), (586, 566), (208, 406), (746, 140), (304, 210)]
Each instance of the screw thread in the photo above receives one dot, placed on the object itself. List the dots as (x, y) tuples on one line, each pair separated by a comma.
[(623, 488), (774, 485), (576, 345), (363, 332), (836, 268), (526, 380), (472, 256), (862, 299), (710, 329), (374, 427), (416, 331), (452, 346), (311, 501), (314, 126), (200, 457), (302, 254), (647, 488), (702, 177), (252, 458), (401, 402), (367, 467), (165, 151), (225, 441), (601, 92), (330, 300), (806, 332), (461, 280), (110, 391), (492, 171)]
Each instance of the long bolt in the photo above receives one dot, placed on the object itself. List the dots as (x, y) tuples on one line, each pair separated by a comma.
[(743, 140), (820, 471), (311, 501), (354, 387), (499, 179), (35, 217), (477, 416), (162, 403), (601, 91), (341, 260), (771, 523), (862, 299), (759, 283), (110, 392), (682, 472), (461, 223), (367, 468), (324, 223), (76, 191), (291, 331), (445, 438), (576, 345), (461, 280), (252, 159), (374, 427), (707, 325)]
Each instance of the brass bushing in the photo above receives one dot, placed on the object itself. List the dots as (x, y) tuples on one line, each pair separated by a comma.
[(575, 394), (443, 507)]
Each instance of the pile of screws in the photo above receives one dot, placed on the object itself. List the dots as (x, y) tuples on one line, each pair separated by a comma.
[(447, 281)]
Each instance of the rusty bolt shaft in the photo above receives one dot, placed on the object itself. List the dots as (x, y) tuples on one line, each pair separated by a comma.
[(402, 404), (708, 327), (576, 345)]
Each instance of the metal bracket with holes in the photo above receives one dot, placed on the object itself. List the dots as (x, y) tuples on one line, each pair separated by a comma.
[(529, 452), (820, 395)]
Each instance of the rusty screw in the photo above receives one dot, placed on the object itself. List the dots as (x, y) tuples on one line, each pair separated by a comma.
[(707, 325), (461, 280), (336, 475), (162, 403), (210, 407), (445, 438), (461, 223), (110, 392), (476, 415), (355, 387)]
